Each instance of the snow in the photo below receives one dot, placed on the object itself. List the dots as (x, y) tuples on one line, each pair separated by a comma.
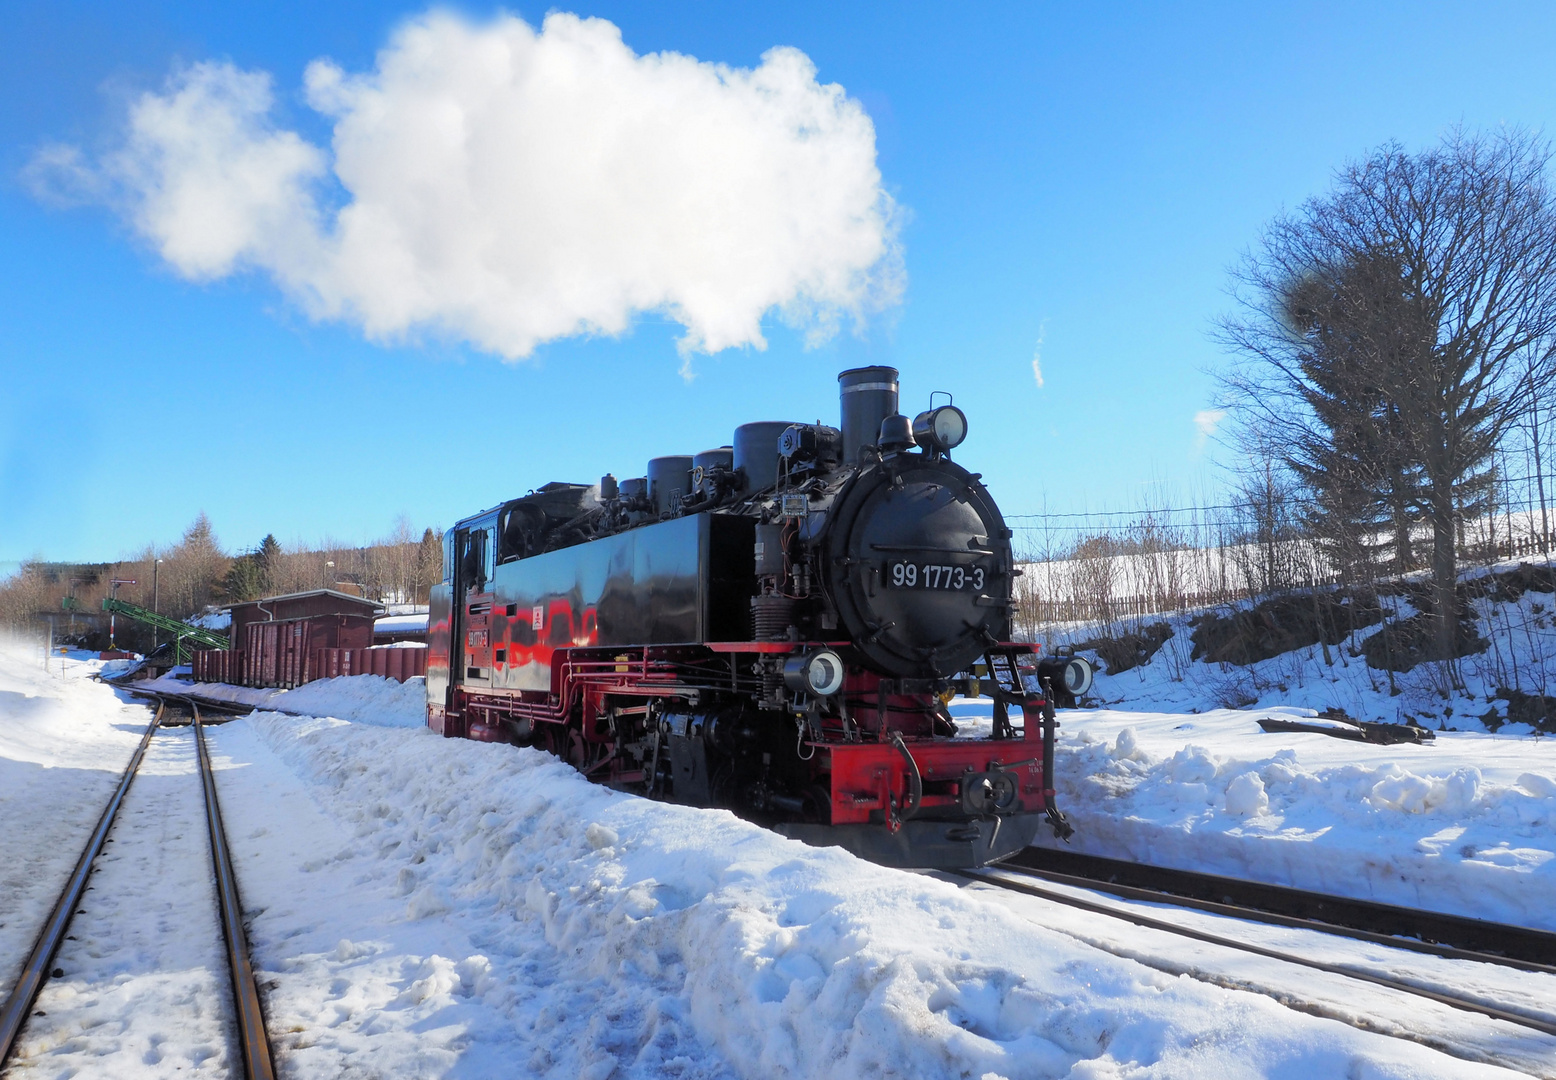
[(428, 907), (1166, 773), (367, 698), (212, 619), (64, 742), (1521, 653), (1405, 1015), (576, 931), (1465, 825), (401, 624)]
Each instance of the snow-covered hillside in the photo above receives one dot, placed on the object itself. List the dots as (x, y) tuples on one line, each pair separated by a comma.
[(1514, 616)]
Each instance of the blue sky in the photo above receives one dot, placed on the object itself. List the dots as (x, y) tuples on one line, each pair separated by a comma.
[(1075, 179)]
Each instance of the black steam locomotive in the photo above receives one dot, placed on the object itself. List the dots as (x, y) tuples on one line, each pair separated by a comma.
[(776, 627)]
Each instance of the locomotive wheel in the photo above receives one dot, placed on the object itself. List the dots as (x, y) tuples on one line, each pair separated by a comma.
[(582, 755), (818, 804), (721, 786), (566, 743), (548, 739)]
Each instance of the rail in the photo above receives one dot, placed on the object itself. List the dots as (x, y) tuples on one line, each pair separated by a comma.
[(254, 1043), (1453, 936)]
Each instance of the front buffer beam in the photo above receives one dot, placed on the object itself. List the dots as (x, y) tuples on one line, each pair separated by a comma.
[(924, 844)]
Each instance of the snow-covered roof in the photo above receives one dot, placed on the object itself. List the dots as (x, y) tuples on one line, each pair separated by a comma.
[(310, 592), (400, 624)]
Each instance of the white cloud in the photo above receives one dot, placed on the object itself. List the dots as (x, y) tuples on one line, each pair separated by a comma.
[(510, 187), (60, 175), (1037, 355), (1206, 421)]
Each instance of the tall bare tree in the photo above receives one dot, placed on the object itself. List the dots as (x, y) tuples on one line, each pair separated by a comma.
[(429, 564), (1446, 266), (192, 571)]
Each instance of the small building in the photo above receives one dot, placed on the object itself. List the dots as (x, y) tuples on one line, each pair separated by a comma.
[(288, 640), (285, 641), (301, 605)]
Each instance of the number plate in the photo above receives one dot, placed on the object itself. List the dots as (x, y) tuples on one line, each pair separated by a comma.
[(947, 577)]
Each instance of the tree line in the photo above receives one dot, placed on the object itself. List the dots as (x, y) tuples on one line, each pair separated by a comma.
[(186, 578)]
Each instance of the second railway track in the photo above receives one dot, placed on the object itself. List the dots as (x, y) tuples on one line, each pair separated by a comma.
[(251, 1056), (1123, 902)]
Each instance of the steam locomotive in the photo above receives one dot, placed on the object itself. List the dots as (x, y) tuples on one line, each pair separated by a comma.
[(777, 627)]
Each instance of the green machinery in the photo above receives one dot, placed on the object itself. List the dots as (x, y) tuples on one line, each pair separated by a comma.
[(183, 634)]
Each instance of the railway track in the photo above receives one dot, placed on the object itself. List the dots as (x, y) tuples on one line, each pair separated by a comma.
[(1516, 945), (253, 1050), (1404, 928)]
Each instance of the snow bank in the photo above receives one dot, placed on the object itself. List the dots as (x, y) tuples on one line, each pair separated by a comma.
[(1466, 825), (634, 930), (362, 699), (64, 741)]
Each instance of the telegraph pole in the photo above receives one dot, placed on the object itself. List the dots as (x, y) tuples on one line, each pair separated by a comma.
[(156, 635)]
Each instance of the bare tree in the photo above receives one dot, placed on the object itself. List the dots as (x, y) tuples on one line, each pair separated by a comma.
[(429, 564), (192, 571), (1445, 264)]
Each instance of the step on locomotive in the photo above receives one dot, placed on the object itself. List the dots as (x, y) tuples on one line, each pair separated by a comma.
[(777, 627)]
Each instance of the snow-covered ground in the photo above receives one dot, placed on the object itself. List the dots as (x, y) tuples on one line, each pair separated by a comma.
[(64, 741), (508, 910), (1463, 1032), (430, 907), (372, 698), (1465, 825)]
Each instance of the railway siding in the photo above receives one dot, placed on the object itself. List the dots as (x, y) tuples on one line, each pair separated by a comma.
[(138, 982), (1480, 1011)]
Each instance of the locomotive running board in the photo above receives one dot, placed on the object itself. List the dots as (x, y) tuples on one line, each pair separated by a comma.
[(925, 845)]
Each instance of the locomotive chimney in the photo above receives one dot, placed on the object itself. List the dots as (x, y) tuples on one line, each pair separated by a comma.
[(869, 395)]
